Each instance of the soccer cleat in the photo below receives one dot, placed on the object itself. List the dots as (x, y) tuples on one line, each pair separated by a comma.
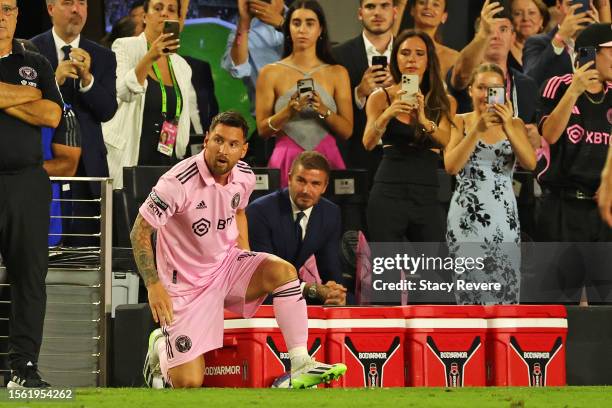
[(27, 377), (313, 373), (152, 370)]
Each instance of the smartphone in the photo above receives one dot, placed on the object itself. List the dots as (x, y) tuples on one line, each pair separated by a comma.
[(585, 6), (410, 84), (172, 27), (586, 54), (379, 60), (507, 11), (305, 87), (496, 95)]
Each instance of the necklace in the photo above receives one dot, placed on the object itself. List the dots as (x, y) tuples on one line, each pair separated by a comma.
[(594, 102)]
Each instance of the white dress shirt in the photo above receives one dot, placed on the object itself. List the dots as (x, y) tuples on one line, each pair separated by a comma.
[(371, 51), (59, 44), (304, 221), (570, 49)]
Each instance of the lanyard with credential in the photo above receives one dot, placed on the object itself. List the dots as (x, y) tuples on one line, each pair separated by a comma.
[(177, 90)]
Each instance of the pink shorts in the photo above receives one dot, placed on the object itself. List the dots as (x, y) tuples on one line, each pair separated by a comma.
[(198, 317)]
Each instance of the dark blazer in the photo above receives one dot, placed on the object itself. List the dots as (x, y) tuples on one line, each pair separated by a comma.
[(540, 61), (271, 230), (92, 108), (526, 94), (352, 56), (204, 86)]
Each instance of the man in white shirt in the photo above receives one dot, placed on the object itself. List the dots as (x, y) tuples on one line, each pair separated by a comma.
[(376, 39), (296, 224), (86, 74)]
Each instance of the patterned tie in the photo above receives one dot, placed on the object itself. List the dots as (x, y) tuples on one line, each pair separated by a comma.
[(66, 50), (298, 226), (69, 85)]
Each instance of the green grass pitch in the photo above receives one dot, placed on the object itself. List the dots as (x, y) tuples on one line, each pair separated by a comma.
[(591, 397)]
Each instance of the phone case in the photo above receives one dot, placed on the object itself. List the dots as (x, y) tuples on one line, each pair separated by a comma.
[(172, 27), (410, 84), (585, 55), (305, 86), (379, 60), (496, 96), (586, 5)]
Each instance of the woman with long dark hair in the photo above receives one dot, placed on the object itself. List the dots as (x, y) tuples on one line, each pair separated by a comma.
[(404, 202), (429, 16), (155, 95), (311, 120)]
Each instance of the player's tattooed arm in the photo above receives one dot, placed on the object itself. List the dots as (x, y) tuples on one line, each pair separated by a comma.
[(143, 250), (243, 230)]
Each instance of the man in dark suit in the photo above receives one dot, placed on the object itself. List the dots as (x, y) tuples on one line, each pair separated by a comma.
[(376, 39), (548, 54), (202, 81), (86, 74), (491, 44), (296, 223)]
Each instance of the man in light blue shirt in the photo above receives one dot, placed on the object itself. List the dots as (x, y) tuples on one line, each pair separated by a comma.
[(257, 41)]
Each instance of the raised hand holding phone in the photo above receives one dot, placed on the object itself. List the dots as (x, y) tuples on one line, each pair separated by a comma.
[(410, 86), (173, 28)]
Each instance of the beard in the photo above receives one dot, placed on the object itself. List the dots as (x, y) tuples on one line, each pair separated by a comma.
[(378, 30)]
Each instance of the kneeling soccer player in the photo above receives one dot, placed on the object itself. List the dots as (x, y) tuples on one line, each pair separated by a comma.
[(205, 265)]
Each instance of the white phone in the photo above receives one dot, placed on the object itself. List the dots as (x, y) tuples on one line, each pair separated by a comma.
[(305, 87), (410, 85)]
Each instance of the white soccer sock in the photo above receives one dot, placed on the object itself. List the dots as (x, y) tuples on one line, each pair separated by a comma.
[(298, 356)]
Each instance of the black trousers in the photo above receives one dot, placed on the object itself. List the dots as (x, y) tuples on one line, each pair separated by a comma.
[(405, 212), (409, 213), (24, 225), (587, 262)]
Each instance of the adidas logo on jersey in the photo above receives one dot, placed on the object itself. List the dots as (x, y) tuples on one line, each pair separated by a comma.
[(201, 205)]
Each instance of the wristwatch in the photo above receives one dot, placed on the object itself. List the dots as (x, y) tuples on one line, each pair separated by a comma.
[(312, 292), (326, 114)]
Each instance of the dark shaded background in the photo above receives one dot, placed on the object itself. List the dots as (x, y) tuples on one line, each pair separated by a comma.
[(33, 19)]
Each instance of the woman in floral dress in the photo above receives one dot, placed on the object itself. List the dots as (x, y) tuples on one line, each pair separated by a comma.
[(483, 218)]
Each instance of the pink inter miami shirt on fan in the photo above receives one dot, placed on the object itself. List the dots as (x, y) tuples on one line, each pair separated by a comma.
[(195, 220)]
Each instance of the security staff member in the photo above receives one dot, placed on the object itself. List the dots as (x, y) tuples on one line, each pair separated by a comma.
[(29, 99)]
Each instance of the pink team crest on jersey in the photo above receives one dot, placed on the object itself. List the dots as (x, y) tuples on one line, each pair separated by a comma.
[(609, 115), (575, 133)]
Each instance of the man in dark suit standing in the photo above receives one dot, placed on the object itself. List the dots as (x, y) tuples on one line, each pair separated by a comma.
[(550, 54), (202, 81), (296, 223), (86, 74), (376, 39)]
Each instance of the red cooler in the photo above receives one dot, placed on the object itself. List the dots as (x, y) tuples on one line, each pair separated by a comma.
[(526, 345), (445, 346), (254, 352), (370, 341)]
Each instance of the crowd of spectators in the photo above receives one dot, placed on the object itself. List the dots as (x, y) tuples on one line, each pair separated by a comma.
[(138, 101)]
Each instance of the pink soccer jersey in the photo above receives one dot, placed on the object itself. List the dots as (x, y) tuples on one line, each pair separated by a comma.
[(195, 220)]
